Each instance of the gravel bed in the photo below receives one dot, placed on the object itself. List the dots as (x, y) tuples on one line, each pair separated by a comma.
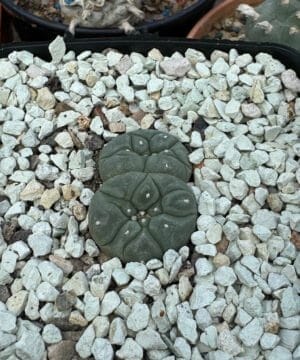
[(233, 291)]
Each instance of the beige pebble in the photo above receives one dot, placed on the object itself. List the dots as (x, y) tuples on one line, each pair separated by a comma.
[(32, 191), (69, 192), (79, 211), (49, 198), (184, 288), (116, 127), (221, 260), (45, 99), (76, 318), (147, 121), (66, 265)]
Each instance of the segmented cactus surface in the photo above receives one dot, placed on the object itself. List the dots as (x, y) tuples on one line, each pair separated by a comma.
[(148, 151), (278, 21), (138, 216)]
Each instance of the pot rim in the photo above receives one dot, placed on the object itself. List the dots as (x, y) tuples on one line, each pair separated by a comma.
[(223, 9), (56, 26)]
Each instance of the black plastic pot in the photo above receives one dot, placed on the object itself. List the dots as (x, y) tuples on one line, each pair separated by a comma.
[(285, 54), (31, 27)]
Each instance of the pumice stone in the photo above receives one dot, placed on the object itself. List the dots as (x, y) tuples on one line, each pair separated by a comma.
[(148, 151), (138, 216)]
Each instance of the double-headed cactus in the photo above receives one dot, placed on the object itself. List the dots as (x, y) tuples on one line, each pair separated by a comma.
[(277, 21), (144, 207)]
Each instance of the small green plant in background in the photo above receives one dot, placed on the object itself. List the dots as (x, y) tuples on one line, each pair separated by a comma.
[(144, 206), (278, 21)]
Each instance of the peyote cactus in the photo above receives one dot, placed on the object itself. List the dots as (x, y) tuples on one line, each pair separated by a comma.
[(277, 21), (149, 151), (138, 216)]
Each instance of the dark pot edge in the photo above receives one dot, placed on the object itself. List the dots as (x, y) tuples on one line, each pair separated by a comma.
[(55, 26)]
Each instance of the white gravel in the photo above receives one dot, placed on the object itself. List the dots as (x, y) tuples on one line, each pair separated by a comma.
[(233, 292)]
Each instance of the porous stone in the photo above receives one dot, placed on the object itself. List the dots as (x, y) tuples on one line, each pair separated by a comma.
[(78, 284), (117, 331), (45, 99), (130, 350), (57, 49), (175, 66), (251, 333), (51, 273), (110, 302), (138, 318), (150, 339), (7, 321), (51, 334), (102, 349), (30, 346), (40, 244), (136, 270), (85, 342), (49, 198), (225, 276)]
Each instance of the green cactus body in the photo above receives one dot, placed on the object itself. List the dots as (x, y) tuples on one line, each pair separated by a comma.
[(138, 216), (149, 151), (278, 21)]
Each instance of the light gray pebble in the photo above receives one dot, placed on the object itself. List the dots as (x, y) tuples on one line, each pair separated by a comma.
[(30, 345), (91, 306), (265, 218), (138, 318), (238, 189), (130, 350), (150, 339), (244, 275), (57, 49), (201, 297), (7, 321), (289, 302), (110, 302), (117, 331), (225, 276), (268, 341), (51, 334), (206, 249), (102, 349), (289, 338), (136, 270), (251, 177), (280, 352), (251, 333), (46, 292), (40, 244), (85, 342)]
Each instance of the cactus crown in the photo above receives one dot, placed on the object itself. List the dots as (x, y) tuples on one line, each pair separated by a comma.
[(144, 206), (138, 216), (278, 21)]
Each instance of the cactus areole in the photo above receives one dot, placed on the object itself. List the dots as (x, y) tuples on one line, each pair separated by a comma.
[(148, 151), (138, 216)]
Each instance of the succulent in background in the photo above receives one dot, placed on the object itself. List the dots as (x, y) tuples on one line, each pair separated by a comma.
[(277, 21), (148, 151), (138, 216), (102, 13)]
